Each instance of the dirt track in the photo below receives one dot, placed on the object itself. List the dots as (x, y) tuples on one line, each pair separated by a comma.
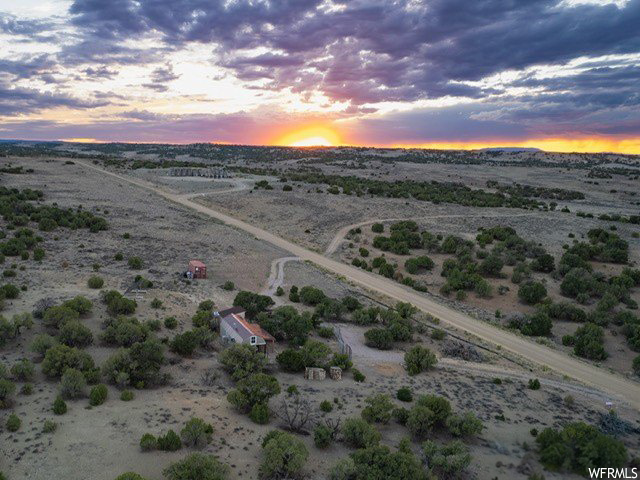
[(599, 378)]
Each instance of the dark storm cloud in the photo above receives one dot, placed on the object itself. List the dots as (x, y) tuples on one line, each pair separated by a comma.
[(369, 51), (149, 127), (33, 30), (28, 66), (364, 52), (16, 100), (100, 72), (160, 77)]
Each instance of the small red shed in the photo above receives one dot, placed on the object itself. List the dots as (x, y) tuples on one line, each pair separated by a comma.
[(197, 269)]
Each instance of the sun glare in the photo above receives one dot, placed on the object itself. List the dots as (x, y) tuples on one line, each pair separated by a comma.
[(312, 142), (310, 137)]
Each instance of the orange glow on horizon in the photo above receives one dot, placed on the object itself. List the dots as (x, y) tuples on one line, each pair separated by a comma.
[(80, 140), (558, 145), (316, 136), (325, 136)]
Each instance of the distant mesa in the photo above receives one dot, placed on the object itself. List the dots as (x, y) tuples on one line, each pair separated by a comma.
[(509, 149)]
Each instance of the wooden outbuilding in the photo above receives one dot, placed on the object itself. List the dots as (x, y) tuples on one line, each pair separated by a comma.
[(197, 269)]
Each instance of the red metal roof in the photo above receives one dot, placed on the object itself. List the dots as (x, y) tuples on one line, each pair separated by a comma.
[(255, 329), (196, 263)]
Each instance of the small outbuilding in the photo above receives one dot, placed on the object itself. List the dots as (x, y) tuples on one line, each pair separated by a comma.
[(197, 269)]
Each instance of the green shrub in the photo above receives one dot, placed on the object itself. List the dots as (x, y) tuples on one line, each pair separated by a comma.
[(290, 360), (241, 361), (7, 388), (49, 426), (322, 436), (357, 433), (124, 331), (446, 461), (283, 456), (532, 292), (255, 389), (170, 442), (589, 342), (135, 263), (636, 365), (73, 384), (138, 365), (118, 256), (148, 442), (579, 446), (326, 406), (378, 409), (117, 304), (401, 415), (421, 421), (59, 406), (534, 384), (380, 338), (130, 476), (95, 282), (341, 360), (377, 228), (75, 334), (156, 303), (197, 466), (259, 413), (253, 303), (465, 425), (196, 433), (23, 371), (13, 423), (311, 295), (419, 359), (185, 344), (228, 285), (80, 304), (98, 395), (380, 462), (60, 357), (404, 394), (9, 291), (171, 323), (41, 343), (57, 316), (358, 376), (127, 395)]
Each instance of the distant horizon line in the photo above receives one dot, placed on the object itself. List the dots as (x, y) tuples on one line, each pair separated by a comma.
[(89, 141)]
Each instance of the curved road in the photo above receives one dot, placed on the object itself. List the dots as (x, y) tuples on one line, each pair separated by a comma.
[(600, 378), (276, 278), (238, 186)]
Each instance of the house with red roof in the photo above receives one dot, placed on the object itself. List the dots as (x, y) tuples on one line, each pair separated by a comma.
[(234, 327)]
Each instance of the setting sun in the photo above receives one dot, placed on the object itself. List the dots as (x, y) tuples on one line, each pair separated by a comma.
[(312, 142), (310, 137)]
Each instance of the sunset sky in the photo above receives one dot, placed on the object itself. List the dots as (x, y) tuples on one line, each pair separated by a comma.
[(558, 75)]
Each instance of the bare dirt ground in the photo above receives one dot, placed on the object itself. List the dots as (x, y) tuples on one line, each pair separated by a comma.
[(102, 442)]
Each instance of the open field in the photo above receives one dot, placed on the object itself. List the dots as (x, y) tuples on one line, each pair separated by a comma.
[(168, 226)]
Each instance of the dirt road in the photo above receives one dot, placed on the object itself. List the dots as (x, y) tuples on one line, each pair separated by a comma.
[(276, 278), (610, 383)]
